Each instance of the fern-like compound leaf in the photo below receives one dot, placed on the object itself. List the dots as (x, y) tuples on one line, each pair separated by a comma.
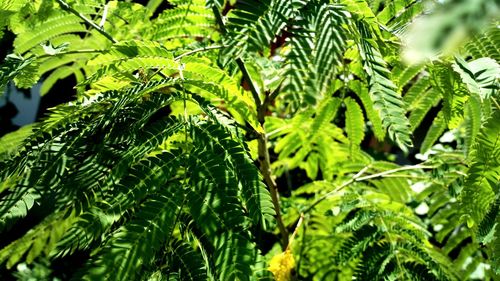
[(354, 124), (383, 91)]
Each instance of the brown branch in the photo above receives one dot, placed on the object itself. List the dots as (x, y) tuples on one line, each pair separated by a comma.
[(265, 168), (266, 171), (264, 159)]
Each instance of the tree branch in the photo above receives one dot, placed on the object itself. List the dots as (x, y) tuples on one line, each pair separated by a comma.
[(246, 76), (265, 168), (264, 159)]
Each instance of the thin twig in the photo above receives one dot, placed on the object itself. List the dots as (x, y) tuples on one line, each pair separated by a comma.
[(358, 177), (274, 94), (405, 176), (285, 127), (89, 51), (496, 103), (203, 49), (302, 248), (183, 55), (295, 231), (67, 7), (361, 172), (381, 174), (353, 179), (104, 16), (158, 71)]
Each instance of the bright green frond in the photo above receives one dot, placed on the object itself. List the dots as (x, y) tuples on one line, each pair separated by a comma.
[(354, 124), (383, 91)]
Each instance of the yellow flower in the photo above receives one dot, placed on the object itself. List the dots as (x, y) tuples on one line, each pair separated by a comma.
[(281, 266)]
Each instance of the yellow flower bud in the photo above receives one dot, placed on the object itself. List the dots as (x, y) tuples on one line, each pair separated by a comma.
[(281, 266)]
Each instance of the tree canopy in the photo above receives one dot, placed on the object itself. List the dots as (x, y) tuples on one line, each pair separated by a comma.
[(254, 140)]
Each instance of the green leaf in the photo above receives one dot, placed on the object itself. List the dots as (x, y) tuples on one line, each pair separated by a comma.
[(362, 92), (354, 124), (435, 131), (481, 75), (481, 185), (383, 91)]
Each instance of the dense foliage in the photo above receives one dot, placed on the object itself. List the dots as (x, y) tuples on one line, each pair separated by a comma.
[(241, 139)]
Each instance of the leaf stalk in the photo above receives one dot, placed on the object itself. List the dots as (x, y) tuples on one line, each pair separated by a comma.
[(65, 6)]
